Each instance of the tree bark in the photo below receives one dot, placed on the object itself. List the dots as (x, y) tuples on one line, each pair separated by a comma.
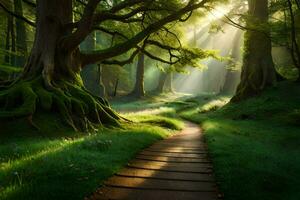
[(21, 36), (139, 90), (295, 50), (13, 42), (51, 78), (8, 41), (258, 70)]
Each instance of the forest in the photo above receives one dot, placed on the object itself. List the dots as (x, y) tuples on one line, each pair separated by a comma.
[(150, 99)]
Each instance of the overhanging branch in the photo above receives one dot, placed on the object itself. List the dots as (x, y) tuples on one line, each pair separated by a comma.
[(119, 49)]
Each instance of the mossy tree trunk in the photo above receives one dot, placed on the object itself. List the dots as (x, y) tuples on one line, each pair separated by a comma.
[(51, 78), (258, 70), (139, 88)]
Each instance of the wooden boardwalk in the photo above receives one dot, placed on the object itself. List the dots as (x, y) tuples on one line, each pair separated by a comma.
[(177, 168)]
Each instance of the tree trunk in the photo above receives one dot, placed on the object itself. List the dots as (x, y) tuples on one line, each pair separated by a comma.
[(7, 41), (92, 74), (51, 78), (139, 90), (165, 83), (88, 73), (258, 70), (295, 50), (169, 83), (102, 90), (13, 43), (161, 83), (21, 36)]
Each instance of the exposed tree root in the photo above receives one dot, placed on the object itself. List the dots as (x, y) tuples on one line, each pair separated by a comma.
[(78, 108)]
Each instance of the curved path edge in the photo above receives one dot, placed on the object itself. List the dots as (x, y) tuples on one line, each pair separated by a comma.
[(176, 168)]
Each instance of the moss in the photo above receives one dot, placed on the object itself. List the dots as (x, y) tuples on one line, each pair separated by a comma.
[(77, 107)]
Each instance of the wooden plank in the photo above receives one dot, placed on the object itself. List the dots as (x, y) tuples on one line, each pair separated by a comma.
[(174, 168), (157, 184), (169, 150), (156, 146), (180, 144), (173, 159), (178, 155), (106, 193), (164, 164), (143, 173), (177, 168)]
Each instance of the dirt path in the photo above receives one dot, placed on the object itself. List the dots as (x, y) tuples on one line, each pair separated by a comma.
[(177, 168)]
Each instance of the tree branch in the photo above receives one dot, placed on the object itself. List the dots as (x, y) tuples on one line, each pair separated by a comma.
[(30, 3), (126, 4), (84, 27), (123, 62), (119, 49), (17, 15), (157, 58), (160, 45)]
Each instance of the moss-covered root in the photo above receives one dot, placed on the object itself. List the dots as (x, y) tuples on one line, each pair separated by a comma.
[(79, 109)]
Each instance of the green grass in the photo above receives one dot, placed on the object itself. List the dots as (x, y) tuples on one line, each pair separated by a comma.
[(156, 120), (255, 144), (63, 165)]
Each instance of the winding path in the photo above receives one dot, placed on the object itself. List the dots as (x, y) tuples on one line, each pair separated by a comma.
[(177, 168)]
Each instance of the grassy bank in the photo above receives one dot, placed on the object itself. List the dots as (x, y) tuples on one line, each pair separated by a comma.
[(255, 144), (56, 163)]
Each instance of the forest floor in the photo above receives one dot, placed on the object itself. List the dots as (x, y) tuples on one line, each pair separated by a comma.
[(175, 168), (56, 163), (254, 146)]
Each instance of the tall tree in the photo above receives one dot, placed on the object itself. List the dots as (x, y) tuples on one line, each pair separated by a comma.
[(295, 49), (21, 36), (51, 78), (102, 89), (139, 88), (258, 71), (9, 26)]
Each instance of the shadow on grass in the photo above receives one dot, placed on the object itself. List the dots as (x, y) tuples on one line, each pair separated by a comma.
[(70, 168)]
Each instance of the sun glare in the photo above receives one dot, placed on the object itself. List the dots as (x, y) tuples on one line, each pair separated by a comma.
[(218, 13)]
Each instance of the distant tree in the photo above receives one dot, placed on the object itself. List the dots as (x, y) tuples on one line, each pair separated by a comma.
[(139, 88), (21, 36), (295, 48)]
